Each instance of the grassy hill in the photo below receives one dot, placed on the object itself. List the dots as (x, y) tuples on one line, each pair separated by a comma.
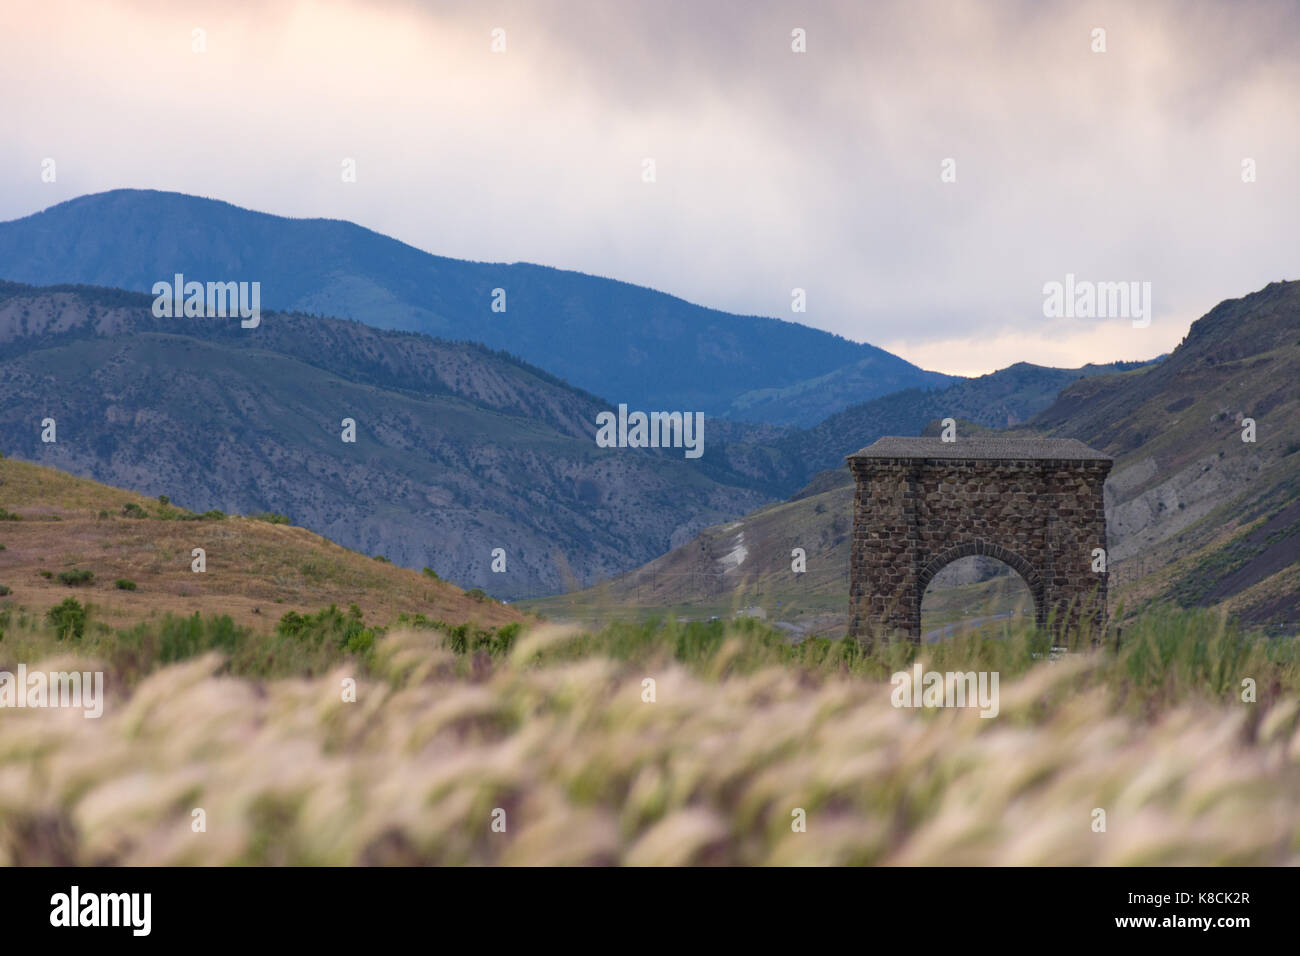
[(55, 523), (734, 568)]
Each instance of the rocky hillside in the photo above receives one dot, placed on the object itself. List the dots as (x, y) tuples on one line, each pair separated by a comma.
[(1198, 516), (459, 450)]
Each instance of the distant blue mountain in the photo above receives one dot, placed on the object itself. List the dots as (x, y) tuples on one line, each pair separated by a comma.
[(622, 342)]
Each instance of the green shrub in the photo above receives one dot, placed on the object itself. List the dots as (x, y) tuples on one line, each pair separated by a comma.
[(430, 573), (8, 516), (68, 619), (75, 577), (212, 514), (5, 590), (164, 500), (47, 575), (180, 638), (329, 627), (133, 510), (360, 641), (270, 517), (496, 641), (478, 594), (421, 622), (380, 557), (124, 584)]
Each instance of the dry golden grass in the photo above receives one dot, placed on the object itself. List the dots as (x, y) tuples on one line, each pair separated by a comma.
[(256, 571), (589, 773)]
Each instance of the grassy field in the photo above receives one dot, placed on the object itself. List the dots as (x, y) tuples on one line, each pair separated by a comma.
[(554, 734)]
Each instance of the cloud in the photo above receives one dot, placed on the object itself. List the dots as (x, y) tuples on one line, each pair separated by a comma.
[(775, 170), (1057, 343)]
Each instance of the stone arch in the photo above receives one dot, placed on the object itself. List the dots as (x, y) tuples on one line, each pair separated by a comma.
[(1033, 580), (1035, 504)]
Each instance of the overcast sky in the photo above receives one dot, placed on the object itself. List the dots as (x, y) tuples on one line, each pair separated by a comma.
[(774, 169)]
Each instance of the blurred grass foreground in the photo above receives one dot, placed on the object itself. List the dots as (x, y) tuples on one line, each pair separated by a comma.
[(655, 743)]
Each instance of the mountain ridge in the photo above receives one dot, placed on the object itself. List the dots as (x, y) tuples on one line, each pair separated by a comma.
[(625, 342)]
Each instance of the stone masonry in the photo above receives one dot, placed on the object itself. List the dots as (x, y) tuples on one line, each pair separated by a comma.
[(921, 503)]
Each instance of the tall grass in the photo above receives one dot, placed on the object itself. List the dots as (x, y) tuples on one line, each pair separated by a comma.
[(299, 644), (1162, 657), (659, 744), (1165, 656), (586, 770)]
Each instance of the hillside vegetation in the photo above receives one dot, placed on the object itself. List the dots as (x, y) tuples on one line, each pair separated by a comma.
[(256, 570)]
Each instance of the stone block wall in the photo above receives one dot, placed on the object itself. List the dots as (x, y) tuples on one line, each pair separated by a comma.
[(913, 516)]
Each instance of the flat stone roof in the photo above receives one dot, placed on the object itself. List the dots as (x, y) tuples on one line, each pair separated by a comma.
[(993, 449)]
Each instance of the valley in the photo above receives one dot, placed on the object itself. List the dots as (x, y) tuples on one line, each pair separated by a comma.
[(1197, 517)]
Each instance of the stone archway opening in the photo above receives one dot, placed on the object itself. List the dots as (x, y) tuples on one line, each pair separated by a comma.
[(975, 594)]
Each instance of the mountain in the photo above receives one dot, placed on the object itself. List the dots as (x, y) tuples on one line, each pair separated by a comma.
[(805, 404), (1197, 516), (626, 343), (997, 400), (459, 450)]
